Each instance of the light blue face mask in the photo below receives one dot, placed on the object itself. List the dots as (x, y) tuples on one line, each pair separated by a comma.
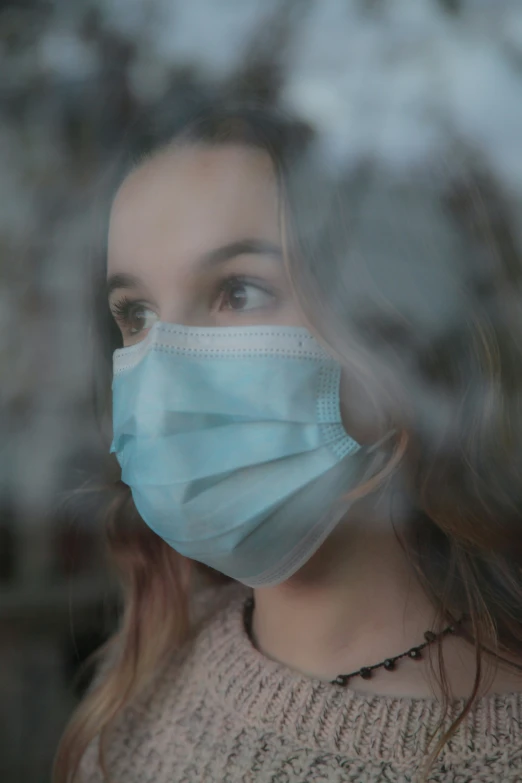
[(232, 444)]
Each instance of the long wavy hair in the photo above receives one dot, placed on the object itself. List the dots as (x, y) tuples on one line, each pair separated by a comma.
[(413, 281)]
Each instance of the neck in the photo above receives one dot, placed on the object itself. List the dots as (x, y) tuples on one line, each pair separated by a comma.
[(354, 604)]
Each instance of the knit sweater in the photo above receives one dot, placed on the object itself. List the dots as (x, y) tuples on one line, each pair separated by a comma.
[(221, 712)]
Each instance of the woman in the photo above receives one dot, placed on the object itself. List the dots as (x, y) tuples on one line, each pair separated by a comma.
[(316, 397)]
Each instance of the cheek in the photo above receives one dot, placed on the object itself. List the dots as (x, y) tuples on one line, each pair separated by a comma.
[(290, 315)]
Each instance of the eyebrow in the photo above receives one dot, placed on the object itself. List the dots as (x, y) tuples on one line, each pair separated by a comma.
[(213, 258)]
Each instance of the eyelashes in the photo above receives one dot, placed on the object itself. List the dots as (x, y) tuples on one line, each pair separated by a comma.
[(120, 309), (130, 315)]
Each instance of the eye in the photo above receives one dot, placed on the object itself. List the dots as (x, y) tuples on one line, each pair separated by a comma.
[(241, 295), (133, 317)]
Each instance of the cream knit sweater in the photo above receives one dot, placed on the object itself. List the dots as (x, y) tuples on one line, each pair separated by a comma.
[(222, 712)]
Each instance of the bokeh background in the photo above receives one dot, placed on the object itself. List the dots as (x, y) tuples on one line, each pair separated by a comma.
[(388, 78)]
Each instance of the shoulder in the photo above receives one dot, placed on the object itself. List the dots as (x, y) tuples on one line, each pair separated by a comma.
[(160, 699)]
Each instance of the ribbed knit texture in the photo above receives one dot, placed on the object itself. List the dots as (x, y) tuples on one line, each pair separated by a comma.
[(224, 713)]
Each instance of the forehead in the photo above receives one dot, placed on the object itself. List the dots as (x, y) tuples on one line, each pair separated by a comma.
[(194, 198)]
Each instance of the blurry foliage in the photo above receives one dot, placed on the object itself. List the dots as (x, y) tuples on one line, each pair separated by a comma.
[(386, 79), (74, 77)]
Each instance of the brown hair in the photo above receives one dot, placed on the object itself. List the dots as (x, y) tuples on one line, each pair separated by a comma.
[(413, 281)]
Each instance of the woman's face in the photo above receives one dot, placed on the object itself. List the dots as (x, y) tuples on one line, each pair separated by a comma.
[(194, 239)]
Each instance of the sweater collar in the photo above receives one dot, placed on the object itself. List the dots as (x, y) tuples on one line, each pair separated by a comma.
[(271, 697)]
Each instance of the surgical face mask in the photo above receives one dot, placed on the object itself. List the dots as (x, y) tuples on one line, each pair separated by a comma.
[(232, 444)]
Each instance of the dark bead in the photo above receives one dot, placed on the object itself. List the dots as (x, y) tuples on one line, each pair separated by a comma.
[(365, 673), (342, 679), (389, 664), (415, 653), (430, 636)]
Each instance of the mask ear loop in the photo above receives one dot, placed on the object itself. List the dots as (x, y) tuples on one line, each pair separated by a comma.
[(371, 449), (370, 482)]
